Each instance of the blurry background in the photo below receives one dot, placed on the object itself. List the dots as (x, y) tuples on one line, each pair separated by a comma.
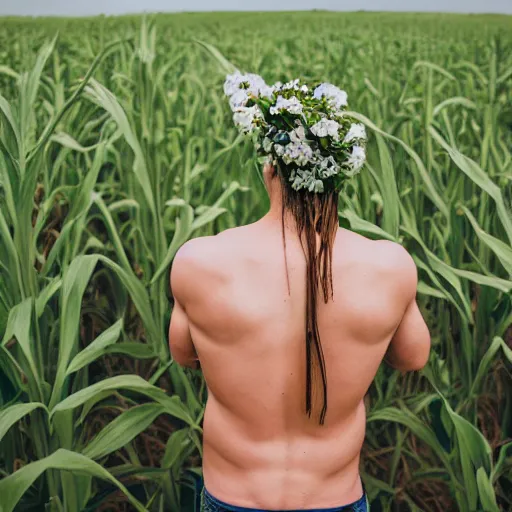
[(117, 146), (95, 7)]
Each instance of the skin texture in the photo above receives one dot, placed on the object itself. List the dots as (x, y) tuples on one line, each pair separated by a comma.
[(233, 313)]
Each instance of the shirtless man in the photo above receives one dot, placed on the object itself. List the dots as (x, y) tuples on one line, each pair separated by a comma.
[(233, 312)]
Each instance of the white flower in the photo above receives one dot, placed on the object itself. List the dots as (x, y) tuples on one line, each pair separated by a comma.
[(356, 159), (233, 82), (306, 179), (292, 105), (357, 131), (327, 167), (267, 91), (301, 178), (267, 145), (252, 84), (336, 97), (301, 154), (304, 88), (245, 116), (238, 99), (326, 127), (298, 135), (293, 84), (318, 187), (256, 84), (279, 149)]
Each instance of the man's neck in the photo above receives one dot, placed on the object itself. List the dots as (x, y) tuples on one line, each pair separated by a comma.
[(275, 216)]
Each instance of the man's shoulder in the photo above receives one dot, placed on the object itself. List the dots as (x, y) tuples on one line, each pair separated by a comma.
[(383, 256), (198, 252), (193, 261), (393, 255), (396, 262), (205, 253), (194, 248)]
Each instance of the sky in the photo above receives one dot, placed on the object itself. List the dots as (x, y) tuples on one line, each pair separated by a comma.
[(93, 7)]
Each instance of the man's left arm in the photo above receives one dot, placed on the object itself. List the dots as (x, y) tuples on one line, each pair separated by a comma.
[(180, 340)]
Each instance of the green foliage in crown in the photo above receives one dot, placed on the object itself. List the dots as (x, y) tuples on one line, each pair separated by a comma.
[(304, 130)]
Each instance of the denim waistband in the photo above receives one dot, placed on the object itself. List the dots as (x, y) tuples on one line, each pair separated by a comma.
[(211, 504)]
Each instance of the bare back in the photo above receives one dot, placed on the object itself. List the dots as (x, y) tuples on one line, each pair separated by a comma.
[(249, 336)]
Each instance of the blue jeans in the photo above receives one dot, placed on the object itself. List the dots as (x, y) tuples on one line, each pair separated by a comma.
[(209, 503)]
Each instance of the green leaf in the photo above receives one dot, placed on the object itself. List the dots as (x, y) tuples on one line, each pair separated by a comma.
[(177, 444), (50, 127), (498, 247), (447, 295), (83, 199), (434, 67), (486, 362), (187, 392), (430, 189), (131, 382), (481, 178), (233, 187), (12, 414), (113, 233), (209, 215), (181, 234), (123, 204), (363, 226), (446, 271), (414, 423), (19, 326), (492, 281), (60, 244), (140, 299), (10, 257), (46, 294), (6, 70), (6, 110), (425, 289), (225, 65), (64, 139), (176, 201), (108, 101), (13, 487), (28, 87), (172, 404), (504, 76), (391, 211), (196, 172), (486, 491), (458, 100), (11, 372), (75, 279), (472, 67), (133, 349), (375, 486), (473, 450), (122, 430), (503, 462), (97, 348)]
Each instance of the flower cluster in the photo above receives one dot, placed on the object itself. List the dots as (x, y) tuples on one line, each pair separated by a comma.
[(306, 131)]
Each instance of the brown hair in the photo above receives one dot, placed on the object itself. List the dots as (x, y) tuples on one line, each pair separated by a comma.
[(314, 214)]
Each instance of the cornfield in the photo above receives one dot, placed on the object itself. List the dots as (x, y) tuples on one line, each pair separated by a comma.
[(117, 146)]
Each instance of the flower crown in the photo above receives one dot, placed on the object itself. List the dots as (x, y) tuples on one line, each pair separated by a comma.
[(305, 131)]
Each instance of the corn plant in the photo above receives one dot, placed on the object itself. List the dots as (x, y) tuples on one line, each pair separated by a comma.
[(40, 355)]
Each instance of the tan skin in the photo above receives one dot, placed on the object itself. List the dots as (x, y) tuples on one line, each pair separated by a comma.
[(233, 313)]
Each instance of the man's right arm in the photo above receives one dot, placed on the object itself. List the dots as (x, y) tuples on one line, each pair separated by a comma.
[(409, 348)]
